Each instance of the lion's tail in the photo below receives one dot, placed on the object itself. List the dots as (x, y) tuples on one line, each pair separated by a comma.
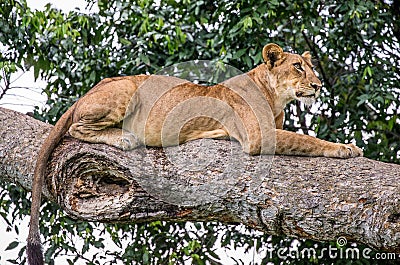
[(34, 248)]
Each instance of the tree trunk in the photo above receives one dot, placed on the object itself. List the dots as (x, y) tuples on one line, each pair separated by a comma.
[(316, 198)]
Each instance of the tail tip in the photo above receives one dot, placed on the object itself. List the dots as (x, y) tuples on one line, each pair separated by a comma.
[(35, 254)]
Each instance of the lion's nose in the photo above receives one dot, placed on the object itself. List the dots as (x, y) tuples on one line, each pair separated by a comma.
[(315, 86)]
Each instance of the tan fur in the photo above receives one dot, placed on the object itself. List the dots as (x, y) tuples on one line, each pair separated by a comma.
[(135, 102)]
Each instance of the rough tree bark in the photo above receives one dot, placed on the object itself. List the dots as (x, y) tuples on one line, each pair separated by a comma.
[(316, 198)]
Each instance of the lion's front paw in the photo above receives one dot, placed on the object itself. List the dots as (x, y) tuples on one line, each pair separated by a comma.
[(349, 150)]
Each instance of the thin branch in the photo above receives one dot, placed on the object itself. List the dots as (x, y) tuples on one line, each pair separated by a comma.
[(17, 104), (302, 120), (21, 96), (33, 89), (315, 53), (18, 77), (6, 83)]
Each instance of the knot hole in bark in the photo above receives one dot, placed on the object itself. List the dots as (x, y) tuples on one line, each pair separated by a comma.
[(95, 186)]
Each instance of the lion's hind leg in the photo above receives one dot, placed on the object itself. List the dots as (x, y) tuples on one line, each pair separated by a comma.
[(103, 133)]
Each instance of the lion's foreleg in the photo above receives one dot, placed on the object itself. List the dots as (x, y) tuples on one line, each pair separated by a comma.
[(290, 143)]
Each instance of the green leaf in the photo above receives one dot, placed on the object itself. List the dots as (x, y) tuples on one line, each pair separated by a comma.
[(362, 99), (12, 245), (144, 59), (92, 77), (36, 70), (125, 41), (247, 23), (146, 257), (239, 53)]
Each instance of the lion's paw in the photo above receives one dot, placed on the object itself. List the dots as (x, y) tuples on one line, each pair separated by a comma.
[(127, 141), (348, 151)]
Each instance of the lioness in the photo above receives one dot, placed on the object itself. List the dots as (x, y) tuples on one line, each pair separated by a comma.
[(97, 118)]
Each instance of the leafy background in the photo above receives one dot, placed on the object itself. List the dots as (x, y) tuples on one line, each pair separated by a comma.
[(356, 49)]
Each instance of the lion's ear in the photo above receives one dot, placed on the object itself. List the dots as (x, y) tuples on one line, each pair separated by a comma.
[(306, 55), (272, 53)]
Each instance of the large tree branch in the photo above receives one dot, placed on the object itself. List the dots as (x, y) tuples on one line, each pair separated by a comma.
[(316, 198)]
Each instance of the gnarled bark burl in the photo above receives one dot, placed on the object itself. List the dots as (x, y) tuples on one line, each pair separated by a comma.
[(316, 198)]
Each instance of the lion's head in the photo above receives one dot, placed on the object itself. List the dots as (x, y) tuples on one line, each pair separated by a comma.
[(291, 74)]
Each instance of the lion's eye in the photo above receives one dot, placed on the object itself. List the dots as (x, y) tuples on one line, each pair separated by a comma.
[(298, 66)]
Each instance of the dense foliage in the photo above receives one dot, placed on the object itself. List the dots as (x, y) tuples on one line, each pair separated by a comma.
[(357, 52)]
